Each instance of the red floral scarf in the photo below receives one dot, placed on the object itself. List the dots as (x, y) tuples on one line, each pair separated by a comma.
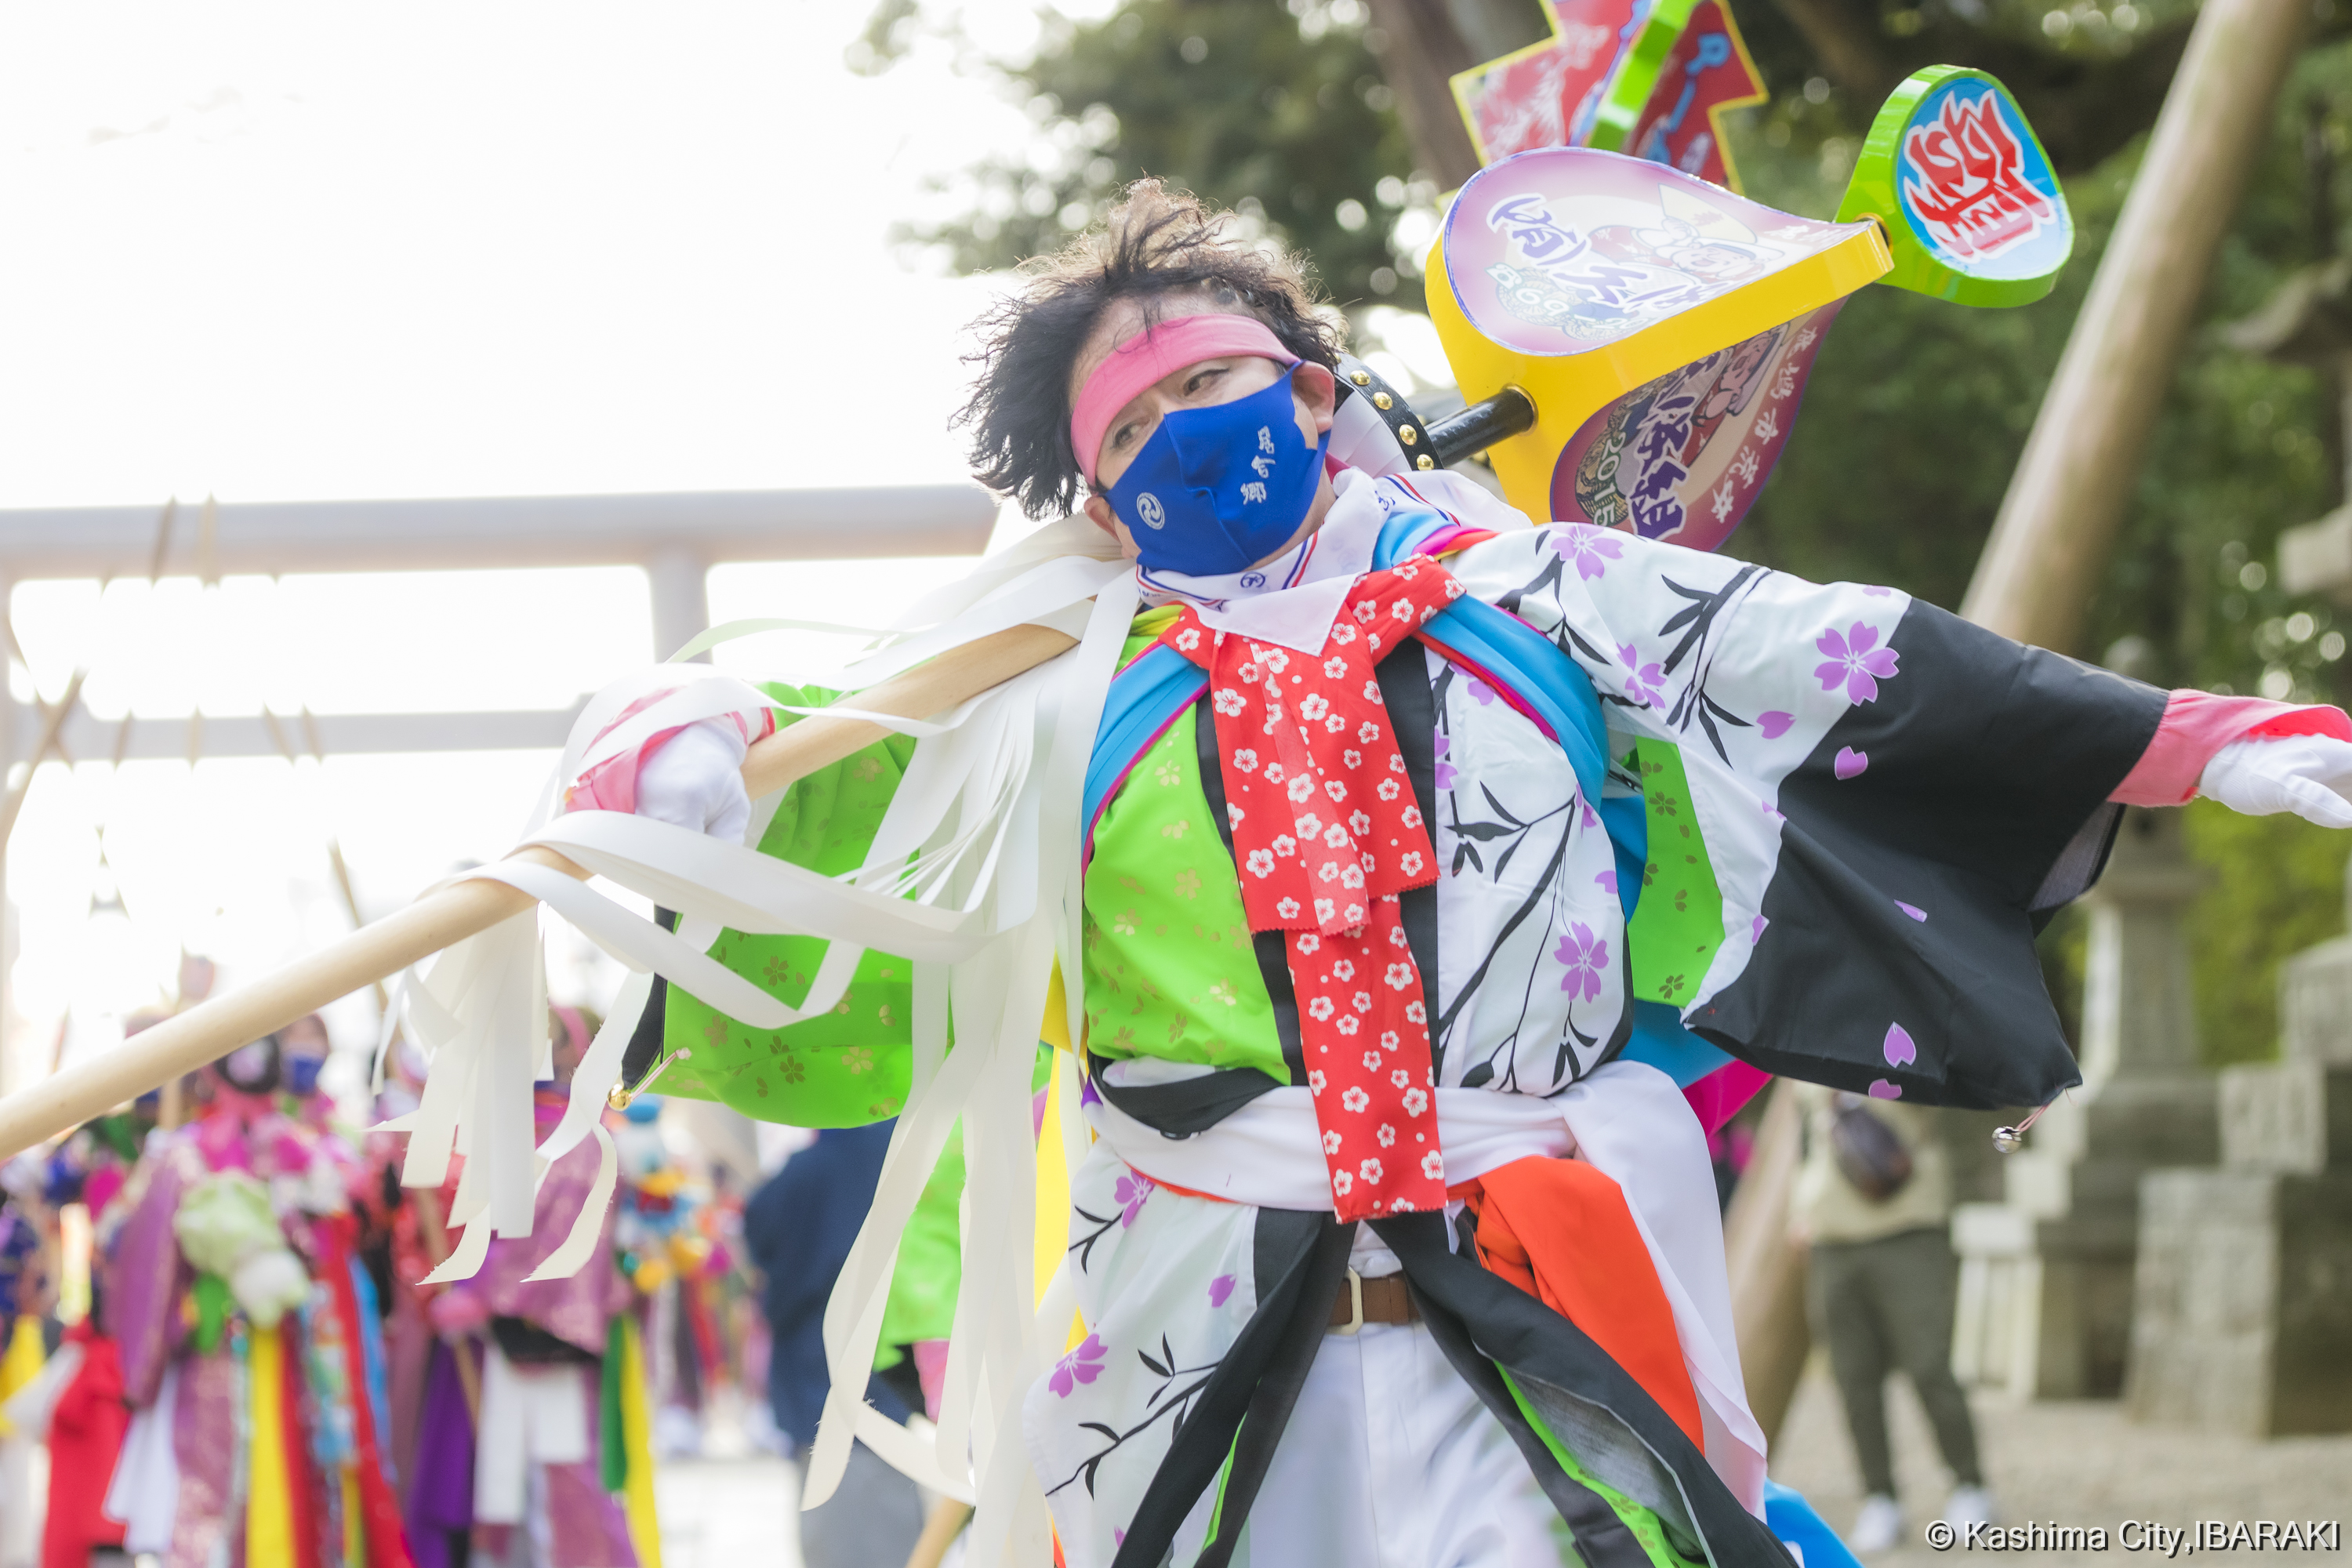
[(1327, 833)]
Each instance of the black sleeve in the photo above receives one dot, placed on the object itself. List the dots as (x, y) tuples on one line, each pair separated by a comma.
[(1928, 837)]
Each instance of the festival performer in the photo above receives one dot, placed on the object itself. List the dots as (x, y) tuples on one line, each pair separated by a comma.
[(24, 1288), (663, 1247), (1397, 1238), (541, 1457), (250, 1353)]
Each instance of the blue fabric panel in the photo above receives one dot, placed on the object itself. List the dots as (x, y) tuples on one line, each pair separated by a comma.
[(1660, 1040), (1402, 532), (1547, 680), (1159, 684), (1629, 837), (1812, 1542)]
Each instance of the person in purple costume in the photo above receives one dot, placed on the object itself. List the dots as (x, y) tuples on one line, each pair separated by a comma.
[(519, 1482)]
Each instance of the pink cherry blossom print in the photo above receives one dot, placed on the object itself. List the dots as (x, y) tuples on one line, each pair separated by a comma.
[(1129, 1194), (1850, 763), (1608, 881), (1482, 691), (1877, 593), (1774, 725), (1756, 930), (1083, 1365), (1220, 1288), (1881, 1090), (1855, 661), (1582, 954), (1588, 548), (1898, 1047), (1643, 682), (1913, 910), (1443, 744)]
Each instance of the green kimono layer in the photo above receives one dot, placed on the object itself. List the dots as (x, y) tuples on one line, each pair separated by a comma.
[(1160, 872)]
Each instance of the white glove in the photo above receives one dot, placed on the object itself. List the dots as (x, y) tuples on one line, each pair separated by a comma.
[(696, 781), (2310, 776)]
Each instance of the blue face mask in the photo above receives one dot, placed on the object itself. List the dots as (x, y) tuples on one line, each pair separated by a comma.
[(1215, 490), (302, 1076)]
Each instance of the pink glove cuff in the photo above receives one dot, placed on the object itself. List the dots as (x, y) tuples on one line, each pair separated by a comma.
[(2197, 724), (612, 784)]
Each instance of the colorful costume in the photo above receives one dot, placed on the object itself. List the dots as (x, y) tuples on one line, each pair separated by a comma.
[(1820, 825), (250, 1346), (1813, 781), (1425, 887), (541, 1459)]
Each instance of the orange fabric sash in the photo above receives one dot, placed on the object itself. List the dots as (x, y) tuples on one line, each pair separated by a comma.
[(1561, 1231)]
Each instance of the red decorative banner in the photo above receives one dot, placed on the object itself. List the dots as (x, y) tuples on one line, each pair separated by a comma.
[(1535, 97), (1710, 71)]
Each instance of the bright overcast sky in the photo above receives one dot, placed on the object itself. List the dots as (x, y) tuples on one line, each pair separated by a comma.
[(278, 252)]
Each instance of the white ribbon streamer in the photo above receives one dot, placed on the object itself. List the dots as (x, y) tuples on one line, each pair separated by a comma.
[(973, 877)]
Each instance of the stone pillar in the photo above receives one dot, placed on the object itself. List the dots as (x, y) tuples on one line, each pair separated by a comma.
[(2242, 1318), (2046, 1274)]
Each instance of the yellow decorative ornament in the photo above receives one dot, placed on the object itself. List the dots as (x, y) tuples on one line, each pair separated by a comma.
[(1581, 277)]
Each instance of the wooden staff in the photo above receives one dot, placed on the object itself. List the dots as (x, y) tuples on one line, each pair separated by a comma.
[(94, 1085), (945, 1523)]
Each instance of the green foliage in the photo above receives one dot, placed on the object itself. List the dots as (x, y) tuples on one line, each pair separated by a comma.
[(1916, 413), (2277, 889), (1277, 112), (1915, 417)]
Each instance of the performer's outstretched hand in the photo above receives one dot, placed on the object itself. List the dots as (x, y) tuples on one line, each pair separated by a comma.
[(2310, 776), (695, 780)]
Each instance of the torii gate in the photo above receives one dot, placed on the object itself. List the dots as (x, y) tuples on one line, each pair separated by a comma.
[(676, 539)]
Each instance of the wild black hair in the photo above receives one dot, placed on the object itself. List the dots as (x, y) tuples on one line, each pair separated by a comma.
[(1155, 244)]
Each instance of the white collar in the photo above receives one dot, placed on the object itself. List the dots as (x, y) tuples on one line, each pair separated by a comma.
[(1291, 601)]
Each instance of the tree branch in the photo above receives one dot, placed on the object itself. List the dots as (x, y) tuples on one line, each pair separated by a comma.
[(1422, 51), (2083, 109), (1847, 40)]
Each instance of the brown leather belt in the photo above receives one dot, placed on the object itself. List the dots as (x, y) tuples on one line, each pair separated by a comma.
[(1381, 1300)]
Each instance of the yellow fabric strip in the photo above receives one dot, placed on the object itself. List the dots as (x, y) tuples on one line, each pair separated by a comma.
[(22, 1363), (1052, 1229), (354, 1526), (636, 1441), (1053, 1226), (268, 1505)]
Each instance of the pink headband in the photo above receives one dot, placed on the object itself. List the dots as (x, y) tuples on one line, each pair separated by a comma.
[(1154, 352)]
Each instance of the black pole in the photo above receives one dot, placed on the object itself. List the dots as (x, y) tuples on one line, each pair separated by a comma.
[(1465, 435)]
